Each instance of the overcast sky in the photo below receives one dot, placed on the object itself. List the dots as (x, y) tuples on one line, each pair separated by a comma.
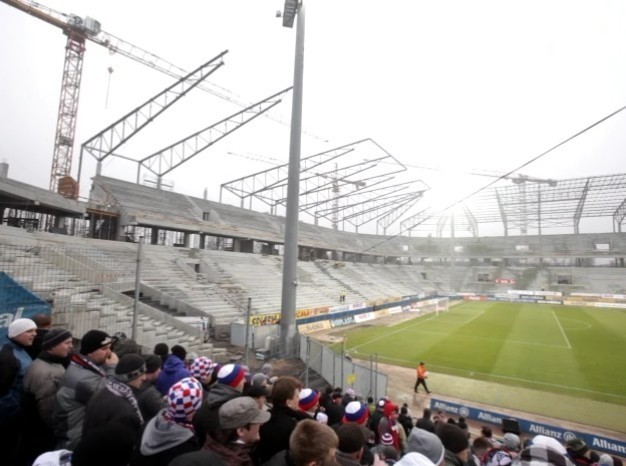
[(461, 86)]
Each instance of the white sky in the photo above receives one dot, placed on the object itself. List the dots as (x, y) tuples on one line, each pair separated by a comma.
[(460, 85)]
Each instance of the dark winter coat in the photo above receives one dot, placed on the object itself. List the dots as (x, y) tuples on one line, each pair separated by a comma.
[(105, 407), (14, 362), (275, 433), (150, 400), (206, 418), (174, 370)]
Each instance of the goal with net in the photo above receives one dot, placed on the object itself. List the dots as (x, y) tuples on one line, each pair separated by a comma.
[(432, 306)]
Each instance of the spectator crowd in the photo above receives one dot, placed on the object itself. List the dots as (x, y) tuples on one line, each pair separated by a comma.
[(105, 403)]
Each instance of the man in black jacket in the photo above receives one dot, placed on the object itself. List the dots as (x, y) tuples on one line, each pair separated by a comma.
[(116, 401)]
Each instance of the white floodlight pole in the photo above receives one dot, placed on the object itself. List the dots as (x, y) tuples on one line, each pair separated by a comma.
[(290, 258)]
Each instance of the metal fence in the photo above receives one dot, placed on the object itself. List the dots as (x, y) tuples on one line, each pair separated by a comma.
[(340, 371)]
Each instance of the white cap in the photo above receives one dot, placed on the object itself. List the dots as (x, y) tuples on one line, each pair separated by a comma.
[(19, 326)]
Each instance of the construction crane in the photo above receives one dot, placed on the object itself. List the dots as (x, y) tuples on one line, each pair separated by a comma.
[(79, 30)]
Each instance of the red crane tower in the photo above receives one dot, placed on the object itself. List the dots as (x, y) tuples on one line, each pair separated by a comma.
[(78, 30)]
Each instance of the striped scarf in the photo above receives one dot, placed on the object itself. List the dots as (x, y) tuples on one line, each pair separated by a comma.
[(124, 391)]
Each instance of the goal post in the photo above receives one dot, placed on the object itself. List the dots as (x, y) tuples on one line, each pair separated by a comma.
[(434, 305)]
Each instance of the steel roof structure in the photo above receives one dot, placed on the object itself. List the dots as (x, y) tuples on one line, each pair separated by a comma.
[(525, 206), (355, 184)]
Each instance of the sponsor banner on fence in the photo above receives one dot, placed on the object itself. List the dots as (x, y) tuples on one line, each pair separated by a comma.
[(587, 295), (341, 322), (475, 298), (394, 310), (364, 317), (549, 301), (595, 442), (613, 305), (265, 319), (317, 311), (301, 313), (614, 296), (535, 293), (314, 326), (342, 308)]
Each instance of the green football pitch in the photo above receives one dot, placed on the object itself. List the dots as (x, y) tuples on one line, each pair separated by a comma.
[(567, 350)]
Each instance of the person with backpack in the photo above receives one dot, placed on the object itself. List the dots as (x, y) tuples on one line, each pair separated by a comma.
[(14, 362)]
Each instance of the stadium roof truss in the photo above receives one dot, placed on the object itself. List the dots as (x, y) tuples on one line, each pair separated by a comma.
[(165, 160), (354, 183), (535, 206)]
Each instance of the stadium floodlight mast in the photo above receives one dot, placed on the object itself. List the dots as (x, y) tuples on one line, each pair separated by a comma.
[(290, 257)]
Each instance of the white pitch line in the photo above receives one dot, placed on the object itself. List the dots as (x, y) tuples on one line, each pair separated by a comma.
[(569, 346), (517, 379), (389, 334), (482, 338), (352, 348)]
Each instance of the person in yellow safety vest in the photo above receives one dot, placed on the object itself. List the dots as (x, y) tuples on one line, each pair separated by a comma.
[(422, 375), (342, 296)]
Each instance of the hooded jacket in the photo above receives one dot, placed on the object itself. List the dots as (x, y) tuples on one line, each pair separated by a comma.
[(173, 371), (162, 441), (206, 418)]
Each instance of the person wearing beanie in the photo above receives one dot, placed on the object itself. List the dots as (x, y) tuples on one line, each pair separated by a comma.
[(116, 402), (229, 385), (455, 442), (148, 397), (511, 442), (14, 363), (352, 444), (240, 420), (426, 443), (578, 452), (85, 375), (357, 412), (170, 433), (285, 416), (308, 401), (335, 410), (202, 368), (389, 425), (375, 418), (173, 370), (41, 383)]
